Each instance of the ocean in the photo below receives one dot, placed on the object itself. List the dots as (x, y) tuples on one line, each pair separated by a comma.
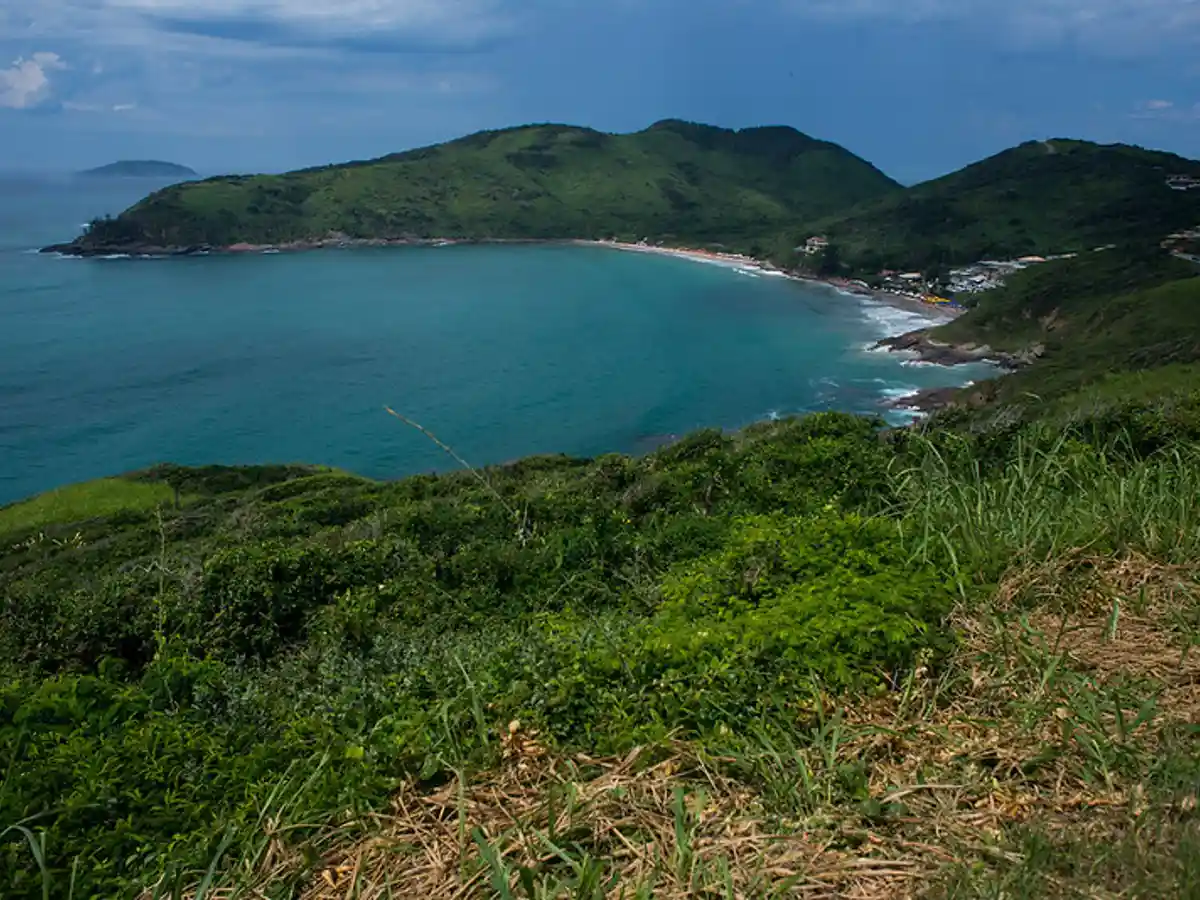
[(110, 365)]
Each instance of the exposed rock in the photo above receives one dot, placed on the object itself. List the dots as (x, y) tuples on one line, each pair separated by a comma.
[(931, 400), (944, 354), (78, 248)]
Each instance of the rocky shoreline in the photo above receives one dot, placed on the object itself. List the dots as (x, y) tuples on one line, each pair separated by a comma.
[(926, 348), (151, 251)]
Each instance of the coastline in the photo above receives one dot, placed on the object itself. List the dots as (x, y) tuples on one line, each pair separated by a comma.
[(934, 312), (915, 344), (340, 241), (938, 314)]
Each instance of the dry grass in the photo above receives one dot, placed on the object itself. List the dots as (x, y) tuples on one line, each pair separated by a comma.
[(673, 826), (1117, 618), (1026, 726)]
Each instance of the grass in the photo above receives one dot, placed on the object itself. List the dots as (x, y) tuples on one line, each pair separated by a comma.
[(1024, 767), (1052, 501), (80, 502), (419, 699)]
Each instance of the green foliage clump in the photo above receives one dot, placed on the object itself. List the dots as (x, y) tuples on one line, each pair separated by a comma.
[(835, 597)]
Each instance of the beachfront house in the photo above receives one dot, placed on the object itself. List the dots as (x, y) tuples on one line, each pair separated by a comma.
[(816, 244)]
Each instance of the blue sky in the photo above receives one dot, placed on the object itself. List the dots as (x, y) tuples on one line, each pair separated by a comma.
[(919, 87)]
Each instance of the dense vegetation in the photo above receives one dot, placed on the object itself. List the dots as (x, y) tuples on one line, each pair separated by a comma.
[(1093, 318), (238, 670), (1043, 197), (673, 181)]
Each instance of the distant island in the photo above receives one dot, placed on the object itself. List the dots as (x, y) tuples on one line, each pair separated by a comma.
[(140, 168)]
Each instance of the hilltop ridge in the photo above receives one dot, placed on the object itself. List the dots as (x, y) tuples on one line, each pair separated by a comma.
[(762, 190), (673, 181)]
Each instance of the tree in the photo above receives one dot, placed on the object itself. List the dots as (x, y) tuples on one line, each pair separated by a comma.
[(829, 261)]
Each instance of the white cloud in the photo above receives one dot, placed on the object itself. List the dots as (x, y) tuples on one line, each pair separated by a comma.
[(26, 83), (77, 106), (427, 16), (125, 23), (1165, 110)]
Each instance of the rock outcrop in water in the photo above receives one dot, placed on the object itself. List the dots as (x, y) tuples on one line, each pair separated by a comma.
[(941, 353)]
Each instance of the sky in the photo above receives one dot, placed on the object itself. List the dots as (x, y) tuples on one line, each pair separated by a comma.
[(918, 87)]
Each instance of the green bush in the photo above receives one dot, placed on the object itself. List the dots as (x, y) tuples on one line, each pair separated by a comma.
[(831, 596)]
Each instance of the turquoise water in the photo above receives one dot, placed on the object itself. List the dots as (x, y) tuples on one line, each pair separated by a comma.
[(111, 365)]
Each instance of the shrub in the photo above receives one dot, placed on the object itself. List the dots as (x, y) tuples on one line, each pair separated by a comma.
[(832, 596)]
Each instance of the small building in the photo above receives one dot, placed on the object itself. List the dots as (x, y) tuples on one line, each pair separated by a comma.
[(816, 244), (911, 276)]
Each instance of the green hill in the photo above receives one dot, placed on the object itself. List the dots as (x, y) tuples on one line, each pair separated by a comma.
[(673, 181), (1043, 197), (1091, 319), (140, 168)]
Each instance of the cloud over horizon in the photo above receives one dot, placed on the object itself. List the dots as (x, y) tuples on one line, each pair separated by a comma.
[(26, 83), (916, 86)]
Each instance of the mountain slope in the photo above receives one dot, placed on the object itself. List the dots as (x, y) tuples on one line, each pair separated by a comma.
[(1098, 315), (1041, 197), (675, 180)]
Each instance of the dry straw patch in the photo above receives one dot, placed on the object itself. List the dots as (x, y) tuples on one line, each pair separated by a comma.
[(675, 826), (1120, 617)]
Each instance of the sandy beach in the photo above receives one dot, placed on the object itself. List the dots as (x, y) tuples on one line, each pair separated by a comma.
[(732, 260), (935, 313)]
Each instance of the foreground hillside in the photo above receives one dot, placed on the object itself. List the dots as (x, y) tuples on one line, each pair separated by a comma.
[(809, 658), (1043, 197), (1115, 322), (673, 181)]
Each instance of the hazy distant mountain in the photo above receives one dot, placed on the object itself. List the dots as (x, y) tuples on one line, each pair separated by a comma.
[(141, 168)]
